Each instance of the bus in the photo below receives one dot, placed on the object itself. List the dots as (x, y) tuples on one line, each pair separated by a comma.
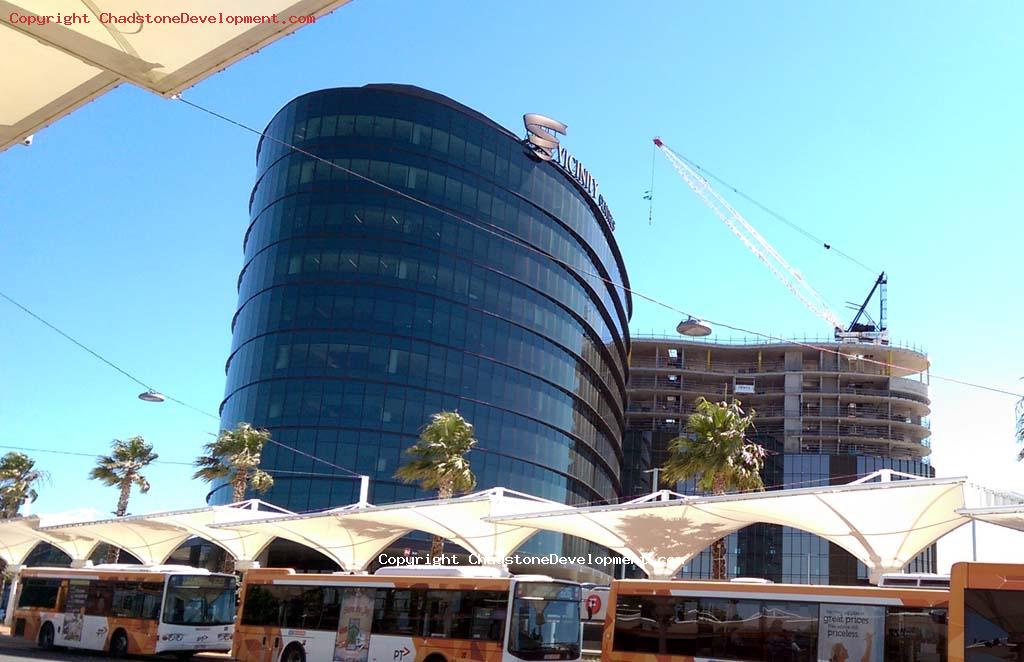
[(662, 621), (986, 615), (409, 614), (125, 609)]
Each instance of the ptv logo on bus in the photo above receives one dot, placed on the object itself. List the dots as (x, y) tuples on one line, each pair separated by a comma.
[(400, 653)]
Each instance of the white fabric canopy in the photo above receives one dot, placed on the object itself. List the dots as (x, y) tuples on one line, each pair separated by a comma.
[(883, 524), (152, 538), (18, 537), (1011, 516), (659, 533), (353, 536), (51, 68)]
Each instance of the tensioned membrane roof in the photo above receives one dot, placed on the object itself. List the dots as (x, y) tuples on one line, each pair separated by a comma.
[(883, 524), (59, 54), (1011, 516), (353, 536), (149, 538)]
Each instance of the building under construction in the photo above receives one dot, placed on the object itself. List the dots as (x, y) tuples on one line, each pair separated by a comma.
[(827, 413)]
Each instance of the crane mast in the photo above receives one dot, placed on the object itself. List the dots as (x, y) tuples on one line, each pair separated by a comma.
[(752, 239)]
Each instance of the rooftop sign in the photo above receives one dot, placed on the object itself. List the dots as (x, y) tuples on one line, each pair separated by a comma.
[(542, 137)]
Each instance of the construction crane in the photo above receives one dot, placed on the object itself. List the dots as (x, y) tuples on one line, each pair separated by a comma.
[(771, 258)]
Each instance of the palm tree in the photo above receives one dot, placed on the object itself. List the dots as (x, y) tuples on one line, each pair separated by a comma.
[(438, 461), (123, 469), (18, 480), (718, 456), (235, 458)]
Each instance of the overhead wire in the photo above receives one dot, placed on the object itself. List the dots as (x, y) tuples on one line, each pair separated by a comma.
[(501, 234), (138, 381), (159, 461), (776, 215), (99, 356)]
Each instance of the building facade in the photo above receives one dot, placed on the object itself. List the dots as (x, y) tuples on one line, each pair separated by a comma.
[(442, 284), (824, 418)]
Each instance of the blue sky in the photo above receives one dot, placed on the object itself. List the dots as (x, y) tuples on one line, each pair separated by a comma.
[(893, 132)]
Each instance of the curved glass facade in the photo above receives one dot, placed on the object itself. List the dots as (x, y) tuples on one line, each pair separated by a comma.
[(362, 311)]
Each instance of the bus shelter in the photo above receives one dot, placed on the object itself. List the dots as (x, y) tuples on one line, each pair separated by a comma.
[(152, 538), (354, 536), (883, 522)]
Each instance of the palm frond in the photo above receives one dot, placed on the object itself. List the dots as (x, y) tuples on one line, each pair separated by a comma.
[(715, 453), (437, 461), (238, 449)]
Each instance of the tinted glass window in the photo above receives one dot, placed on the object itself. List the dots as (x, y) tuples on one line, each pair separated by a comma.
[(135, 600), (993, 624), (399, 611), (99, 598), (40, 593), (200, 600), (716, 627)]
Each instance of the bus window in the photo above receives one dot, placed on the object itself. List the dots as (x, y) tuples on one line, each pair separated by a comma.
[(200, 600), (39, 593), (398, 612), (545, 621), (262, 605), (636, 625), (99, 598), (993, 624), (915, 635), (134, 600), (774, 631), (729, 629)]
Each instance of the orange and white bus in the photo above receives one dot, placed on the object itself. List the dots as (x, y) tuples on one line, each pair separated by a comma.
[(127, 609), (663, 621), (410, 614), (986, 612)]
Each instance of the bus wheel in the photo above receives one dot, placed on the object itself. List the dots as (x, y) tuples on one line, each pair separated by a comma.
[(46, 636), (435, 657), (119, 644), (293, 653)]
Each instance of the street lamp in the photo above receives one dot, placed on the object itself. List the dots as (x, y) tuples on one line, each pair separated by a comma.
[(151, 396), (692, 326)]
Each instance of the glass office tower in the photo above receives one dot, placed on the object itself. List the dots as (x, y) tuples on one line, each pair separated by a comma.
[(457, 279)]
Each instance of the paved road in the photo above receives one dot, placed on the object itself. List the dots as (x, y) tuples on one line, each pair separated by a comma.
[(14, 649), (17, 649)]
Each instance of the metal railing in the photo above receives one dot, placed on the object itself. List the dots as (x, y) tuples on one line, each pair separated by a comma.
[(760, 341), (740, 368)]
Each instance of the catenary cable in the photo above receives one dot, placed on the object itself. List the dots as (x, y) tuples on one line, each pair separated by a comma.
[(138, 381), (169, 462), (570, 267), (771, 212)]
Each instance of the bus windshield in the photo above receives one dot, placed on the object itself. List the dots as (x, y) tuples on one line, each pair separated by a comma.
[(993, 624), (545, 621), (200, 600)]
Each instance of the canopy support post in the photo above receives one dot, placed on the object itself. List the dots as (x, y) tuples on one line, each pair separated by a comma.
[(364, 490), (15, 571)]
